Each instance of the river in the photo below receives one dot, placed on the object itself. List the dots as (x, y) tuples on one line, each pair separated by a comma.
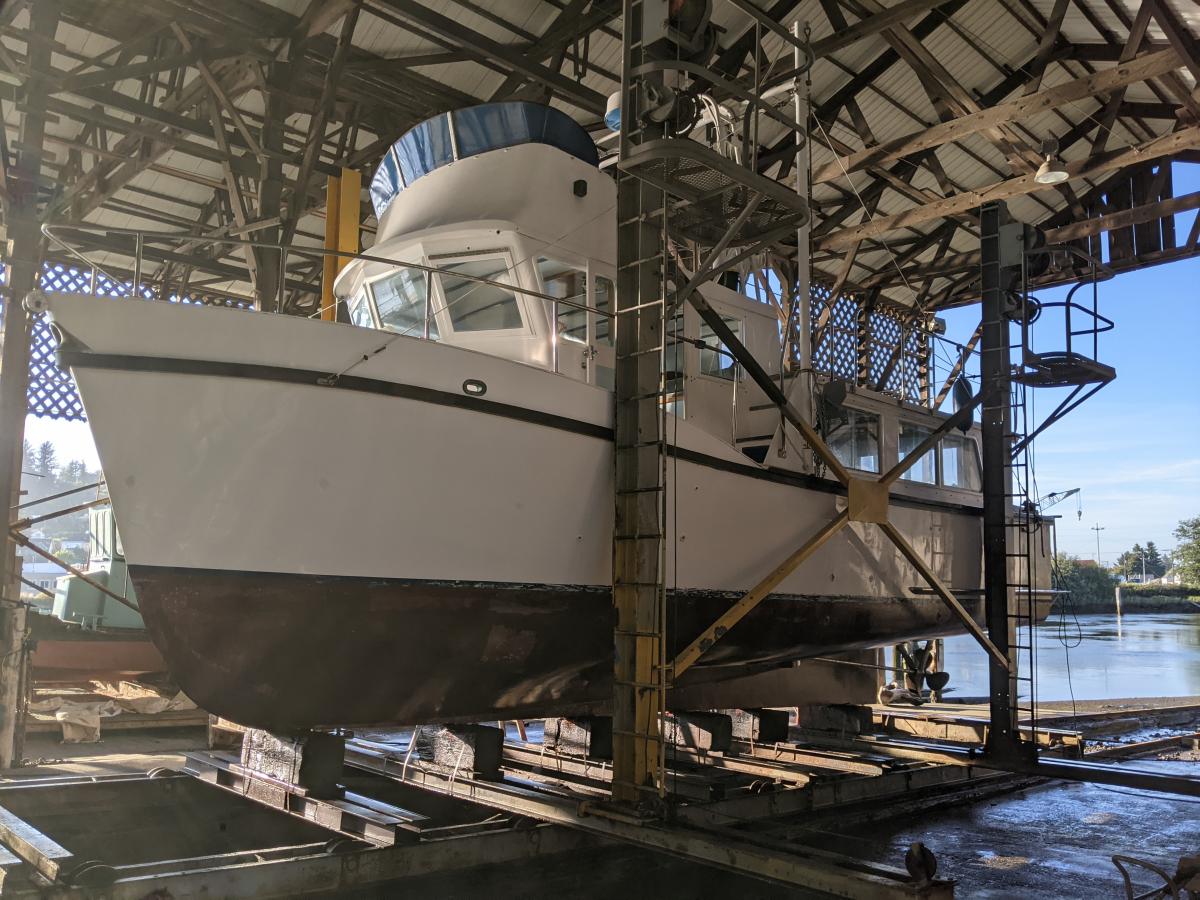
[(1104, 657)]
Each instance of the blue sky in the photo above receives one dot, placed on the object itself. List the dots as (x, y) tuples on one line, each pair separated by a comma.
[(1133, 449)]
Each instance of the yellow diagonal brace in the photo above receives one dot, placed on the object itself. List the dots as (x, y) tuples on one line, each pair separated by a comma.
[(751, 599), (942, 591)]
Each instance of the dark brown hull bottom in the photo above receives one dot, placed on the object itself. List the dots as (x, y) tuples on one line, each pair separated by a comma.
[(290, 652)]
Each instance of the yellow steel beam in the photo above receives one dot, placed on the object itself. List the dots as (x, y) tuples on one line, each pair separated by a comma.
[(944, 593), (341, 232), (756, 595)]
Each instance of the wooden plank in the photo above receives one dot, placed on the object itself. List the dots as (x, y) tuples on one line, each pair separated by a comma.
[(1121, 75), (965, 201)]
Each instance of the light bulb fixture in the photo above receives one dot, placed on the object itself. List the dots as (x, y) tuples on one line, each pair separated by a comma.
[(612, 112), (1052, 170)]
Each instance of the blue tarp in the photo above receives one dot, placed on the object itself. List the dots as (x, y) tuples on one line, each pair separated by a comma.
[(477, 129)]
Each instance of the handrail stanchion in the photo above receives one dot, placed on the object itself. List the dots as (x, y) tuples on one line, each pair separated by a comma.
[(137, 264), (279, 291), (554, 336)]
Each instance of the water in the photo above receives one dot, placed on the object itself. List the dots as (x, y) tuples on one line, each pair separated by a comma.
[(1136, 655)]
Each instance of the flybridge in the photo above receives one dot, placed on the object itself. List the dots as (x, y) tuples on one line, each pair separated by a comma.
[(469, 132)]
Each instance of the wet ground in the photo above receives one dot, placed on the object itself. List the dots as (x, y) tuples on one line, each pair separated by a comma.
[(1056, 840), (1095, 657)]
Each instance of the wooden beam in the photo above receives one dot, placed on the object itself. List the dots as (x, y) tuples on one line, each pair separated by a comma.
[(1136, 216), (316, 126), (1108, 115), (965, 201), (1181, 39), (873, 24), (1046, 46), (511, 58), (1060, 95)]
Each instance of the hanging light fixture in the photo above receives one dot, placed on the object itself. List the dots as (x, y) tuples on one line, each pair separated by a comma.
[(1052, 170)]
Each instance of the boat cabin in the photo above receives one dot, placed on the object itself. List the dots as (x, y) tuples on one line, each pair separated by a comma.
[(497, 233)]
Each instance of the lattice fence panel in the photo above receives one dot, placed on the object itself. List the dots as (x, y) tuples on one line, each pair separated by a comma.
[(835, 345), (834, 333), (52, 392)]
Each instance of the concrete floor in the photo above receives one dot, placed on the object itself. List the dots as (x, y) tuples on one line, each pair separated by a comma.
[(1050, 841)]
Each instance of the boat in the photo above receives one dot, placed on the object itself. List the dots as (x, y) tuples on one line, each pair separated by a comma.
[(407, 517)]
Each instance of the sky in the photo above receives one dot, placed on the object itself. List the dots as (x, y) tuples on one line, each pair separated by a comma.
[(1133, 449)]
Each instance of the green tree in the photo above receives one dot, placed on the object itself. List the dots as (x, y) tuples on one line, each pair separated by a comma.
[(47, 459), (1129, 563), (1156, 565), (75, 472), (1087, 584), (1187, 552)]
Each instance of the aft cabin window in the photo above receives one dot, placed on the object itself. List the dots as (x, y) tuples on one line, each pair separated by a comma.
[(854, 440), (402, 301), (566, 282), (475, 305), (924, 470), (960, 466), (715, 358)]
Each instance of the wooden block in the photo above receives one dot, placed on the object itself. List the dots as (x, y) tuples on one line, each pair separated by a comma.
[(589, 736), (467, 751), (699, 730), (313, 761), (840, 718), (760, 725)]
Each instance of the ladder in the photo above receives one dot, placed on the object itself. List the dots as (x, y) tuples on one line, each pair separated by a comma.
[(639, 527)]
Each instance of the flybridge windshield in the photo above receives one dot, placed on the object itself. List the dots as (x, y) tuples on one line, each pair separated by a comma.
[(469, 132)]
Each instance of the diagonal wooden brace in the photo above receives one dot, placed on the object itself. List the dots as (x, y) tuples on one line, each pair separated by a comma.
[(944, 593), (756, 595)]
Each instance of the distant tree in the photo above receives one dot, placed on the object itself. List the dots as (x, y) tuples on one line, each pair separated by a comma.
[(1129, 563), (1187, 552), (1087, 584), (1156, 565), (47, 459), (28, 461), (75, 472)]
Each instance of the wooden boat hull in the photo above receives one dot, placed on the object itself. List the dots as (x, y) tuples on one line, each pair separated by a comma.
[(289, 652)]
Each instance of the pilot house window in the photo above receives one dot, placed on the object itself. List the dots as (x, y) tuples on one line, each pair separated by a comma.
[(853, 437), (476, 305), (402, 300), (924, 469), (715, 358)]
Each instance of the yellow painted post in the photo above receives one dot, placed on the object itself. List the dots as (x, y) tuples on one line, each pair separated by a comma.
[(341, 232)]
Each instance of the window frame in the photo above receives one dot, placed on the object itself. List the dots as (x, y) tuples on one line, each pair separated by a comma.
[(446, 323), (739, 373), (368, 286), (879, 425), (973, 446), (935, 452)]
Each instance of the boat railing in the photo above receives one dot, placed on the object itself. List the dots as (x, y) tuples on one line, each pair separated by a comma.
[(133, 243)]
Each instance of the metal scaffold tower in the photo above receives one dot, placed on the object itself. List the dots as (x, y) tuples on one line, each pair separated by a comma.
[(639, 591)]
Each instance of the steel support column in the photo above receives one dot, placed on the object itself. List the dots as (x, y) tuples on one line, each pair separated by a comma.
[(640, 521), (25, 253), (995, 367)]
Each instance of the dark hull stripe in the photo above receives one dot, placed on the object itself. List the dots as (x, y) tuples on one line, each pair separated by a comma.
[(168, 365)]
